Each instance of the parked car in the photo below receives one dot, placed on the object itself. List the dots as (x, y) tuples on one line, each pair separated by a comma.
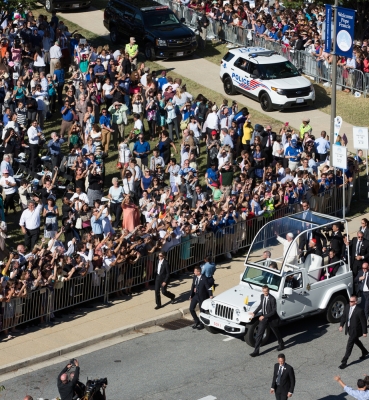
[(267, 77), (157, 30)]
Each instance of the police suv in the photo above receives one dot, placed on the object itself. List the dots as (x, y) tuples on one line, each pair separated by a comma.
[(267, 77)]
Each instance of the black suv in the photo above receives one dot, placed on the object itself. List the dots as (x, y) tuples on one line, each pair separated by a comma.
[(65, 5), (156, 28)]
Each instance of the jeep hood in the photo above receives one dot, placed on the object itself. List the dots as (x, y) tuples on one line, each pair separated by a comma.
[(175, 31), (235, 297), (289, 83)]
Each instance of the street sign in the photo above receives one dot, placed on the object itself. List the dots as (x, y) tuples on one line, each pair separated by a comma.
[(361, 140), (340, 157)]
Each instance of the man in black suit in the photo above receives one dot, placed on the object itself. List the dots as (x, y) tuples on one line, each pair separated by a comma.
[(200, 291), (336, 239), (267, 139), (359, 252), (361, 283), (283, 382), (354, 321), (162, 280), (269, 316)]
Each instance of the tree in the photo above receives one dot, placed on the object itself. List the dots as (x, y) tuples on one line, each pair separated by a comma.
[(9, 6)]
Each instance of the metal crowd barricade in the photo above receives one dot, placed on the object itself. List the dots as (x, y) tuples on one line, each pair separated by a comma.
[(78, 290), (20, 310), (366, 85)]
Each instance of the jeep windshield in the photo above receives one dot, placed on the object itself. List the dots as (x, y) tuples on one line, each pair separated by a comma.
[(259, 277), (280, 70), (163, 18)]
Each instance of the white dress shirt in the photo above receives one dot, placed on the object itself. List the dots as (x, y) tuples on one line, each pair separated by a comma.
[(31, 219), (212, 121), (160, 263), (32, 135), (55, 52)]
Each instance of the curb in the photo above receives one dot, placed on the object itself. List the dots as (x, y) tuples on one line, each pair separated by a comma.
[(160, 320)]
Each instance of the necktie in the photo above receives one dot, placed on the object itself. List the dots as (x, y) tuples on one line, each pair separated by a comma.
[(278, 380), (197, 283), (264, 305), (227, 122), (269, 141), (358, 248), (350, 313)]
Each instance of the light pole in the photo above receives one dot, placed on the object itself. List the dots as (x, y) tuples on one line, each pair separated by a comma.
[(334, 79)]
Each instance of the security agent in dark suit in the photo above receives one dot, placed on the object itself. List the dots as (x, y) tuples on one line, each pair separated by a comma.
[(336, 239), (200, 291), (359, 252), (269, 316), (162, 280), (354, 321), (283, 382), (361, 283)]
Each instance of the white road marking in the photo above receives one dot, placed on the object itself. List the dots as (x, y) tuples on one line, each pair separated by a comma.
[(208, 398), (227, 339)]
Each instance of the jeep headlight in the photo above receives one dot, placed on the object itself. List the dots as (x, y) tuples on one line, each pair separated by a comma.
[(237, 311), (213, 304), (279, 91), (161, 42), (311, 88)]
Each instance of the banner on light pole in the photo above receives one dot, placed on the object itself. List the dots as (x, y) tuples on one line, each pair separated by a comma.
[(345, 26), (328, 28), (337, 127)]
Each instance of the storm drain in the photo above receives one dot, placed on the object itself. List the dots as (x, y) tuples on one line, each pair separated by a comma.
[(177, 324)]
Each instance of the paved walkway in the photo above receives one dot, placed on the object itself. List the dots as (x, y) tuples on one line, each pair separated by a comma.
[(91, 326)]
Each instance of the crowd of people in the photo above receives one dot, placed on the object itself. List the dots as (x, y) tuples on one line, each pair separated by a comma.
[(186, 168)]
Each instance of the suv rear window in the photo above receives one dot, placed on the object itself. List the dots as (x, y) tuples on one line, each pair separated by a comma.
[(228, 57), (162, 18)]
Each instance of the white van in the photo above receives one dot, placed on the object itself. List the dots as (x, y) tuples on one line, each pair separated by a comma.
[(267, 77)]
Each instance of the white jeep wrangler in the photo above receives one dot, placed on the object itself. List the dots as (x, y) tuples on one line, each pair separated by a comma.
[(266, 77), (301, 288)]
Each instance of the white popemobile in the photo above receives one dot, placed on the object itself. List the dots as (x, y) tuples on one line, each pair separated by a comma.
[(267, 77), (298, 287)]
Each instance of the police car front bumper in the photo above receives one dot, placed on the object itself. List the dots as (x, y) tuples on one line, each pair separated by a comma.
[(294, 104), (222, 324)]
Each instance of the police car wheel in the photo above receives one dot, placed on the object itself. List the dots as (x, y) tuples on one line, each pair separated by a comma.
[(252, 330), (266, 103), (228, 86)]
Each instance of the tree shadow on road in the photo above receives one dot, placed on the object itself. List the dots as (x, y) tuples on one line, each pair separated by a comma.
[(341, 396)]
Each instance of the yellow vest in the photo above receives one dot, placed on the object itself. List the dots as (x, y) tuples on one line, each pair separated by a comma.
[(304, 129), (131, 50)]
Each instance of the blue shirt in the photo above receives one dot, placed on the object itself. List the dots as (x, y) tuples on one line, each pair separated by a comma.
[(96, 225), (357, 394), (55, 147), (295, 152), (59, 73), (228, 141), (162, 81), (212, 174), (141, 148), (260, 29), (208, 269), (67, 116), (321, 145), (6, 119), (98, 69), (105, 120)]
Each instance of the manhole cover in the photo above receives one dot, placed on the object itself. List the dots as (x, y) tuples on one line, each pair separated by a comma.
[(177, 324)]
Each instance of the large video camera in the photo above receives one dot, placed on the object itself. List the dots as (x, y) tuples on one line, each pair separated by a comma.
[(93, 386)]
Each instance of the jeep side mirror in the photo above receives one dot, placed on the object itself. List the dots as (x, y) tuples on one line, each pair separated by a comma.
[(287, 291), (183, 20), (299, 70)]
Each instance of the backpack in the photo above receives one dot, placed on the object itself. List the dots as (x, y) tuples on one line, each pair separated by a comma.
[(213, 153)]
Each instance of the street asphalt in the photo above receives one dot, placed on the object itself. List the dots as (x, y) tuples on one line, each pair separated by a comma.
[(187, 364)]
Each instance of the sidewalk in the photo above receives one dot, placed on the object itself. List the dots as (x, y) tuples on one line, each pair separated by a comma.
[(91, 326), (206, 73)]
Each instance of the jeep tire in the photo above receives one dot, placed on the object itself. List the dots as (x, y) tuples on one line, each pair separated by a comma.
[(252, 330), (336, 308), (265, 102), (150, 52), (228, 86)]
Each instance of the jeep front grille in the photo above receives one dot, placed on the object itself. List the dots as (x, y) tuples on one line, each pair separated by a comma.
[(224, 312)]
